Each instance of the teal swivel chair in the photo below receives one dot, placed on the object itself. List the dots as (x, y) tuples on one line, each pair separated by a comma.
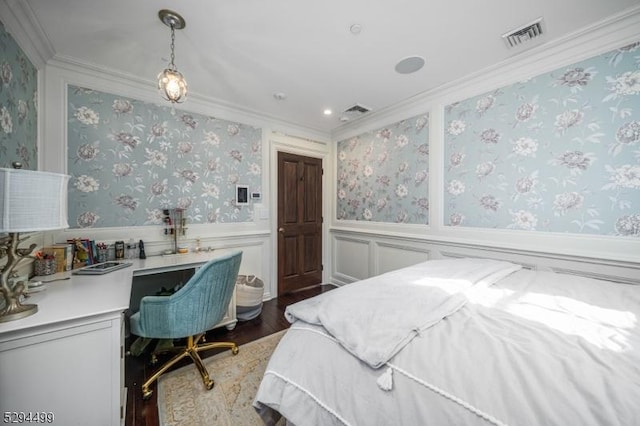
[(188, 313)]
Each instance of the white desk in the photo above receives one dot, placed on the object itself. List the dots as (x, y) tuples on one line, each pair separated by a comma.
[(68, 358)]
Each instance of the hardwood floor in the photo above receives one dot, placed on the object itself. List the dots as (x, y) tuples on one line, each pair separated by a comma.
[(137, 369)]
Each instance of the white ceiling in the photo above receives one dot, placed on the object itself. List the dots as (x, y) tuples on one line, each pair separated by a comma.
[(241, 52)]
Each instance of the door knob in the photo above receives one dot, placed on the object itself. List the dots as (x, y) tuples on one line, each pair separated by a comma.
[(281, 230)]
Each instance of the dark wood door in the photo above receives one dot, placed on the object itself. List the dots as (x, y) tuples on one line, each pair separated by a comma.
[(299, 222)]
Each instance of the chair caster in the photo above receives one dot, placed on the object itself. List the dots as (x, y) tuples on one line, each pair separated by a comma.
[(146, 393), (209, 384), (235, 350), (154, 359)]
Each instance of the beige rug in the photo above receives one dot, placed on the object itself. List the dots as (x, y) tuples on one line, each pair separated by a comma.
[(183, 399)]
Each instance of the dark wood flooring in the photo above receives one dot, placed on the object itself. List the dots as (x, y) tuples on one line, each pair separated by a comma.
[(137, 369)]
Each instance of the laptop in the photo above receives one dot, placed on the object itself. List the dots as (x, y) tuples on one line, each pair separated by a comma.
[(100, 268)]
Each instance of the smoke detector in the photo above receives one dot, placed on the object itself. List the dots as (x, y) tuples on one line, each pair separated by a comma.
[(523, 34)]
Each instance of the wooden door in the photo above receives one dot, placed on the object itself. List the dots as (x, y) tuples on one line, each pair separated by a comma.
[(299, 222)]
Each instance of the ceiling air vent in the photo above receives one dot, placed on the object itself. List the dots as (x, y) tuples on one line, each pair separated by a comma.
[(523, 34), (354, 112), (358, 108)]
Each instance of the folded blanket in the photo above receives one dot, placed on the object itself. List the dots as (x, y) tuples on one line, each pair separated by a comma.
[(375, 318)]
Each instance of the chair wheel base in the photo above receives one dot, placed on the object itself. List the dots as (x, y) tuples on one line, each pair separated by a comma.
[(146, 394)]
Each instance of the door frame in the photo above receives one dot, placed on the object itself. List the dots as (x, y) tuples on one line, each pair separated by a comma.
[(307, 148)]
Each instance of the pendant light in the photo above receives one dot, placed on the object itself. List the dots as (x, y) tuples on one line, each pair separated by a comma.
[(171, 83)]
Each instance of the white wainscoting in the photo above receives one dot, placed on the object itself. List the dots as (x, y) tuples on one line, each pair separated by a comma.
[(391, 256), (359, 255), (351, 259)]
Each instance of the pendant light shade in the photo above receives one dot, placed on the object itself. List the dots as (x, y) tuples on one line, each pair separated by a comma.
[(172, 86), (171, 83)]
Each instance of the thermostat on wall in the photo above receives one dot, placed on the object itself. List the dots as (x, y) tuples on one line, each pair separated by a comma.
[(256, 195)]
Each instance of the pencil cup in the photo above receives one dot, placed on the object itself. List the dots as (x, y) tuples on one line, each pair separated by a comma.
[(103, 255), (45, 266)]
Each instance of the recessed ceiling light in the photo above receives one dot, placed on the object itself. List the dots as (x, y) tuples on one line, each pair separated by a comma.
[(355, 29), (410, 64), (280, 96), (327, 112)]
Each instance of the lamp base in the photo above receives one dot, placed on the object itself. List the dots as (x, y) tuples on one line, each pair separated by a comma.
[(17, 311)]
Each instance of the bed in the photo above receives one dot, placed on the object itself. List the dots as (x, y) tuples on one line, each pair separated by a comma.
[(459, 342)]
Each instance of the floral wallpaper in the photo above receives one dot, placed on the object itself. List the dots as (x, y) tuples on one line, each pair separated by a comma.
[(18, 105), (383, 175), (559, 152), (129, 159)]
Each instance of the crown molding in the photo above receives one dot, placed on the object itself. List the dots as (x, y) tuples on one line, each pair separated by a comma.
[(21, 22), (610, 33), (144, 89)]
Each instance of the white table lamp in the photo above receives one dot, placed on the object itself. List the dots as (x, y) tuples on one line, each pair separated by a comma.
[(30, 201)]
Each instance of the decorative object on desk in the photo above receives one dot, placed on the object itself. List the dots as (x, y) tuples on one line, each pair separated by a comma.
[(36, 289), (119, 249), (168, 224), (131, 249), (81, 254), (103, 252), (30, 201), (36, 286), (64, 255), (45, 264), (142, 254), (15, 279), (175, 224)]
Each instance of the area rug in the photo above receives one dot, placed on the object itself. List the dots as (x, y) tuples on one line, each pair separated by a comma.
[(183, 399)]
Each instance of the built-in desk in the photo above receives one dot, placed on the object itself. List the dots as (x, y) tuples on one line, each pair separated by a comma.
[(68, 358)]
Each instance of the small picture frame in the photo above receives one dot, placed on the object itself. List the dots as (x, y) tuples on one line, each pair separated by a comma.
[(242, 195)]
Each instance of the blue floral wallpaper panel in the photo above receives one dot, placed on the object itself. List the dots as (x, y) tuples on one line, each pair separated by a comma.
[(18, 105), (557, 153), (129, 159), (383, 175)]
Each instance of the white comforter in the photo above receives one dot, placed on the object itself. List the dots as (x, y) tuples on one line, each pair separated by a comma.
[(375, 318), (537, 348)]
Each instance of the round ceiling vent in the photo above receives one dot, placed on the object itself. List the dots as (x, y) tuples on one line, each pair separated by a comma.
[(410, 64)]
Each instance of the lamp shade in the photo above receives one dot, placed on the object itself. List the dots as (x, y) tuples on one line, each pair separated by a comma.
[(32, 200)]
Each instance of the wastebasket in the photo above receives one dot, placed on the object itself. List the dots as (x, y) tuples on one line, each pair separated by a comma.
[(249, 293)]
